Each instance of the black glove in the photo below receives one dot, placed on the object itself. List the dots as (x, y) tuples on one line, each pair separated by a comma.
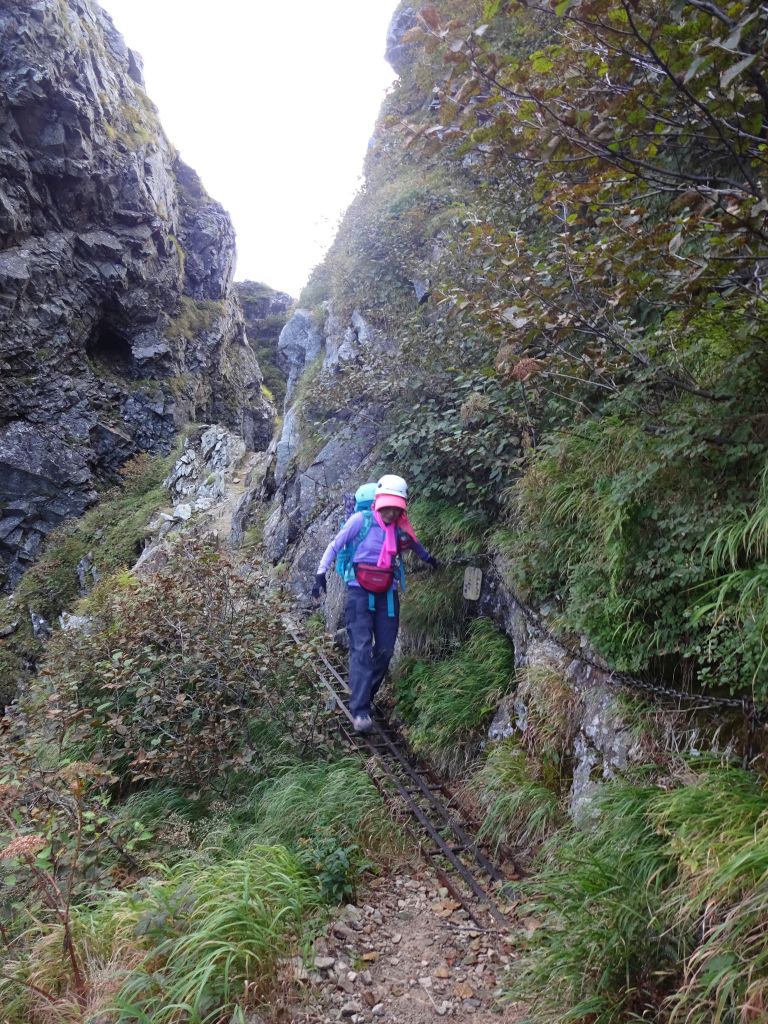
[(320, 584), (431, 560)]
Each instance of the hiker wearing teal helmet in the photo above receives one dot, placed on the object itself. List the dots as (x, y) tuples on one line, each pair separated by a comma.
[(375, 540), (364, 496)]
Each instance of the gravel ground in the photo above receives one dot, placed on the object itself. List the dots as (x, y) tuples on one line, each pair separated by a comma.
[(407, 953)]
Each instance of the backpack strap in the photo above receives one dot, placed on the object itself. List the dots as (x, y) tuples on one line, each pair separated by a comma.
[(390, 603), (367, 524), (344, 562)]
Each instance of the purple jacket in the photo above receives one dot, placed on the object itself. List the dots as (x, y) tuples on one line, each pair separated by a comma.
[(368, 549)]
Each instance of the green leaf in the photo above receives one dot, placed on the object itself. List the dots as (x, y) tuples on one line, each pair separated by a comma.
[(696, 65), (541, 64), (733, 40), (736, 69)]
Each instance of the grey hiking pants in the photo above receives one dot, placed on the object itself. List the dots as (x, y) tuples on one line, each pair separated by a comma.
[(372, 636)]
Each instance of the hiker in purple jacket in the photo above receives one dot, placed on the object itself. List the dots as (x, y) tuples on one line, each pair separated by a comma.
[(372, 579)]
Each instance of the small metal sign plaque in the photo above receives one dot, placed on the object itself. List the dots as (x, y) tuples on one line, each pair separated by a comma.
[(473, 580)]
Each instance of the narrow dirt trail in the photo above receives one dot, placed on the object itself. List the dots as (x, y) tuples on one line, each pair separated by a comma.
[(407, 953)]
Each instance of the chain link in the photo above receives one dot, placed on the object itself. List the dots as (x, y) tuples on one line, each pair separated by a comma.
[(755, 712)]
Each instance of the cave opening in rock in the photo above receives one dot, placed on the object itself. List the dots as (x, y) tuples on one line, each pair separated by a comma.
[(109, 350)]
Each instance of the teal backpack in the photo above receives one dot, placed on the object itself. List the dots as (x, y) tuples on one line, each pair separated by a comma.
[(362, 502)]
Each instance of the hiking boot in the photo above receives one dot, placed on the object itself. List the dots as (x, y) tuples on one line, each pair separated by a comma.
[(362, 723)]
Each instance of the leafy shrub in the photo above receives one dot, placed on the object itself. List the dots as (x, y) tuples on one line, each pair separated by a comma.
[(111, 534), (335, 866), (183, 676), (60, 846), (460, 439), (68, 845)]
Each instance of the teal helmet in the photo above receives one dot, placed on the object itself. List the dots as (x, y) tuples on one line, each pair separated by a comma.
[(364, 496)]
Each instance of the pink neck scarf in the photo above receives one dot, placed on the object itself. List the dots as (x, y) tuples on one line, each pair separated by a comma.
[(389, 547)]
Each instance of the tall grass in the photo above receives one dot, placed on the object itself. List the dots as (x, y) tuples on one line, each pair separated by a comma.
[(744, 537), (307, 799), (520, 808), (717, 826), (249, 876), (434, 613), (449, 701), (660, 913), (187, 947), (604, 949), (213, 932), (152, 806), (737, 598), (552, 709), (448, 530), (650, 542)]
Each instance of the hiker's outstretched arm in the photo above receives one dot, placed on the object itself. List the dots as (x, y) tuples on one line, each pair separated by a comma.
[(424, 555)]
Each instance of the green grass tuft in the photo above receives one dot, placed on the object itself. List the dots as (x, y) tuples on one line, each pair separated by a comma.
[(447, 702), (434, 613), (212, 931), (604, 931), (448, 530), (659, 913), (304, 799), (521, 809)]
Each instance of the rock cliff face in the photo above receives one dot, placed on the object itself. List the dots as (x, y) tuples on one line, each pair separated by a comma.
[(119, 322), (266, 312), (312, 470)]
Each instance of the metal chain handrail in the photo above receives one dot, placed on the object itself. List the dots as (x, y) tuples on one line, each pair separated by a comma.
[(757, 713)]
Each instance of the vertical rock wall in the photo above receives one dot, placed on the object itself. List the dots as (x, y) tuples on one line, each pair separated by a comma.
[(118, 323), (310, 474)]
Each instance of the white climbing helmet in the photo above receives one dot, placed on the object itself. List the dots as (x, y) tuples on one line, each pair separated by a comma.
[(391, 484), (391, 490)]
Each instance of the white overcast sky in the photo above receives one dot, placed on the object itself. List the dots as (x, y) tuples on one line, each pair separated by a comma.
[(273, 105)]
